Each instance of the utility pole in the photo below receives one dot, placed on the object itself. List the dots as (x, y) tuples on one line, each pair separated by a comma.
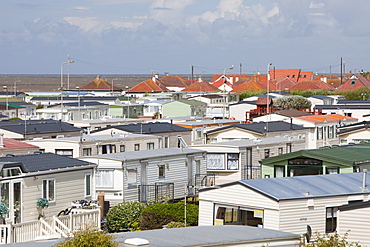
[(341, 71)]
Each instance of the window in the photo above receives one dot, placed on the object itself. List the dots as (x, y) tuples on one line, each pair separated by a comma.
[(104, 178), (353, 82), (232, 215), (332, 170), (166, 142), (280, 151), (216, 161), (64, 152), (331, 219), (288, 148), (319, 131), (87, 185), (131, 177), (11, 172), (86, 151), (279, 171), (232, 161), (161, 171), (122, 148), (267, 153), (48, 189), (348, 114), (137, 147), (150, 145)]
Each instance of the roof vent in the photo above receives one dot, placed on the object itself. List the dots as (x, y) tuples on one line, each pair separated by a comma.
[(37, 152), (10, 155), (136, 241)]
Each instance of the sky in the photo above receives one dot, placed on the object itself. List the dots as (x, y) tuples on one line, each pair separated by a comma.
[(180, 36)]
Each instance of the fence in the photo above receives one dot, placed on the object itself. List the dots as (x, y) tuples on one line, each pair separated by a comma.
[(56, 227), (157, 192)]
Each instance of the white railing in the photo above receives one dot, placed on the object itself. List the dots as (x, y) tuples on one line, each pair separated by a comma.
[(63, 226)]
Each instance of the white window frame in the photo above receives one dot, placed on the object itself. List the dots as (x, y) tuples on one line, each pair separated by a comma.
[(88, 186), (45, 191)]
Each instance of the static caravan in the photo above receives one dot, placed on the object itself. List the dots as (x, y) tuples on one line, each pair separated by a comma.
[(148, 175), (325, 203)]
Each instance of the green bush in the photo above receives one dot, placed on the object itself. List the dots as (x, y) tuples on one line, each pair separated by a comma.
[(173, 224), (157, 215), (124, 215), (89, 238)]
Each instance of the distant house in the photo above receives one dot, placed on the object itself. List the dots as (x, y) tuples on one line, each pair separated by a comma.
[(30, 129), (130, 110), (354, 133), (96, 124), (74, 111), (169, 133), (59, 179), (21, 109), (148, 175), (149, 86), (359, 109), (320, 100), (336, 159), (180, 108), (256, 130), (51, 100), (238, 110), (325, 203), (175, 82), (355, 81), (296, 75), (100, 85), (14, 147), (217, 104), (235, 160), (87, 145), (200, 127), (199, 88), (311, 85)]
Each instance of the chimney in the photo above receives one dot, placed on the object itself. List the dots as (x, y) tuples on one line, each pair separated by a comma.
[(2, 140), (200, 79), (364, 179), (231, 79), (154, 78)]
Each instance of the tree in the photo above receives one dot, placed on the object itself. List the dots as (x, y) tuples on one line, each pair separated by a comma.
[(292, 102)]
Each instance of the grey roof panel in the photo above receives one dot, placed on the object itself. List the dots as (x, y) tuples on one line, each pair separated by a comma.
[(147, 128), (43, 161), (33, 127), (309, 186), (260, 127), (192, 236)]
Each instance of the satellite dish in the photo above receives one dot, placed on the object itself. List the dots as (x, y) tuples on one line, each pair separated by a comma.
[(308, 233)]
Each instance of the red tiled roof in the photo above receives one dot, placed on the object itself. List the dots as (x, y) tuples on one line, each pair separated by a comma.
[(200, 87), (220, 83), (285, 84), (325, 118), (174, 81), (263, 101), (356, 81), (14, 144), (99, 84), (295, 74), (236, 77), (248, 86), (311, 85), (148, 86)]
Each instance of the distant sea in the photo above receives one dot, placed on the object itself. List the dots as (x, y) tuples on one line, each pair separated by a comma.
[(51, 82)]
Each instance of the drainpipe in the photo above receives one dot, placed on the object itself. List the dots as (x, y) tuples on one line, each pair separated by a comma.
[(364, 179)]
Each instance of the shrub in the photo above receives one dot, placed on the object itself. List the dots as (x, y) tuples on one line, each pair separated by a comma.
[(157, 215), (124, 215), (173, 224), (89, 238)]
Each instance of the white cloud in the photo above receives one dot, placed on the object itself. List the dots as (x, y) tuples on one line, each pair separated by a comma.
[(83, 23)]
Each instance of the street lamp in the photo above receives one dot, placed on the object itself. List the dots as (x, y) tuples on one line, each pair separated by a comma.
[(15, 88), (6, 97), (268, 88), (224, 108), (79, 103), (61, 73)]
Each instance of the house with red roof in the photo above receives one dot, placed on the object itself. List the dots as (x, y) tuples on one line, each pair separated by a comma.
[(229, 78), (356, 81), (200, 87), (174, 82), (250, 85), (295, 74), (311, 85), (11, 146), (99, 84), (149, 86), (285, 84)]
